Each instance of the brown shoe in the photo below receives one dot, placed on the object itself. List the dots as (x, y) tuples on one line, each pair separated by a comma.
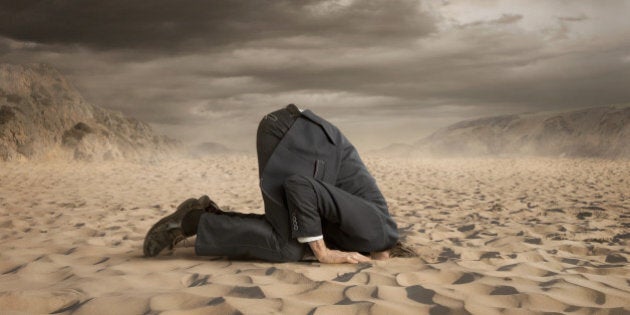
[(168, 231)]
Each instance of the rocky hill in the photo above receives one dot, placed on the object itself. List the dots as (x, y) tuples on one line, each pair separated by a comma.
[(593, 132), (602, 132), (43, 116)]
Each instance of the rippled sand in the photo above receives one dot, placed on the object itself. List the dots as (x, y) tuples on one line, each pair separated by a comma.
[(494, 236)]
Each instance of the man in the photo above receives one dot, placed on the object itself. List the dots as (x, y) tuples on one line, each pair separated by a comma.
[(316, 191)]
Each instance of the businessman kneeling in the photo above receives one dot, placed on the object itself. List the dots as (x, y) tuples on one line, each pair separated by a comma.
[(316, 191)]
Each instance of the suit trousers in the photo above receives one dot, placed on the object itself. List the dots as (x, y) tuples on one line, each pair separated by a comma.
[(320, 207)]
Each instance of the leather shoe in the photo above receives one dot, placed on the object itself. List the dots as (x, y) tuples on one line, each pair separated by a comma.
[(168, 231)]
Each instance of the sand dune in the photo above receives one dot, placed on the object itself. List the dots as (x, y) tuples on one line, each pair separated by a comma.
[(495, 236)]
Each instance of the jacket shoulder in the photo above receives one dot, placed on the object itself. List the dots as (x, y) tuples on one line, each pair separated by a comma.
[(331, 131)]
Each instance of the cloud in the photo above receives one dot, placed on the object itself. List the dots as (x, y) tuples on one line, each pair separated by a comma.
[(581, 17), (166, 26), (505, 18), (381, 70)]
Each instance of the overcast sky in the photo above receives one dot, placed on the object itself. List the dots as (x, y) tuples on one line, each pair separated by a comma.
[(383, 71)]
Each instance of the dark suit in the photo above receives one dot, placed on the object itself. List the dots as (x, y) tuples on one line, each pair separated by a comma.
[(313, 182)]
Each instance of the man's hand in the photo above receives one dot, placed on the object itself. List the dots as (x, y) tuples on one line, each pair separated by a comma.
[(338, 257), (330, 256)]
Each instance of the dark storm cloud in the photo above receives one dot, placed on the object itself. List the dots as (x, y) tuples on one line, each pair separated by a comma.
[(486, 66), (170, 26), (381, 70)]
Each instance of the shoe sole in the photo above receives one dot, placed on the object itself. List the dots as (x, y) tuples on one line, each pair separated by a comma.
[(156, 239)]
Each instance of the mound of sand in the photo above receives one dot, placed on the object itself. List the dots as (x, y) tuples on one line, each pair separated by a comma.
[(42, 115), (494, 236)]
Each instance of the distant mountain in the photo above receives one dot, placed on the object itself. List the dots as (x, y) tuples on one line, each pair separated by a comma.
[(43, 116), (593, 132)]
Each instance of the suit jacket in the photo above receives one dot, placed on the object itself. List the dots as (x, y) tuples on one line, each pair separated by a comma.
[(314, 147)]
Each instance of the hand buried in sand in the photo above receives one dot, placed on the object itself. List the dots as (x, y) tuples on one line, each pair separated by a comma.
[(331, 256)]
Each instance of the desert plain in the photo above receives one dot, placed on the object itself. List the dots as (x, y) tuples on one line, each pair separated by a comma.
[(493, 236)]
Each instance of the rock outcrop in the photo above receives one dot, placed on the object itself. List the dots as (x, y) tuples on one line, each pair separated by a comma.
[(43, 116), (594, 132)]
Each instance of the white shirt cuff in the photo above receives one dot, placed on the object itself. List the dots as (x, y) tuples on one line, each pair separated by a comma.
[(309, 239)]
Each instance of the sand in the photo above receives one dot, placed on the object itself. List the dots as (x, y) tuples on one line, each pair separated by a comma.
[(495, 236)]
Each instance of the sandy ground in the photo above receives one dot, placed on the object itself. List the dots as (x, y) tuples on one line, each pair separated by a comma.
[(494, 236)]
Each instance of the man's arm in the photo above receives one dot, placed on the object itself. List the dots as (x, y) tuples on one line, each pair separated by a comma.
[(331, 256)]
